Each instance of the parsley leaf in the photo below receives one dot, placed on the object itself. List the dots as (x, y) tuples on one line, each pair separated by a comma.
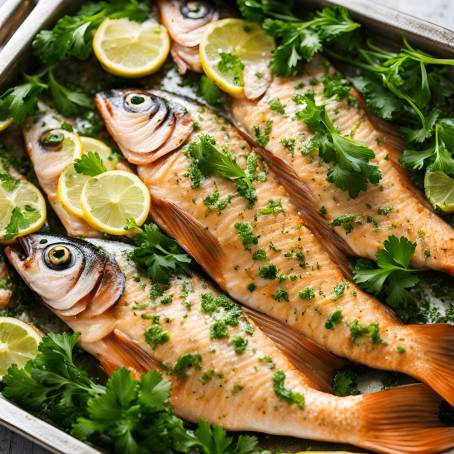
[(208, 159), (209, 91), (72, 35), (345, 382), (90, 164), (259, 10), (350, 169), (392, 273), (67, 101), (20, 219), (21, 101), (298, 41), (159, 256)]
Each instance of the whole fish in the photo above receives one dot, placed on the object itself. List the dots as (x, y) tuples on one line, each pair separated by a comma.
[(394, 207), (125, 321), (267, 257), (186, 21)]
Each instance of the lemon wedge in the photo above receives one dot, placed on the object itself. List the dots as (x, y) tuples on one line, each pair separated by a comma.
[(18, 343), (227, 47), (131, 49), (5, 123), (112, 198), (22, 208), (71, 183), (440, 190)]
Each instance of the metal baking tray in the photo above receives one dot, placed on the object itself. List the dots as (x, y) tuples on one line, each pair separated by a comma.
[(20, 20)]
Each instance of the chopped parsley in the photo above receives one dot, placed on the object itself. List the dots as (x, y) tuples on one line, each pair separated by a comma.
[(8, 182), (357, 330), (346, 221), (214, 202), (306, 294), (280, 295), (219, 330), (231, 64), (246, 233), (285, 393), (239, 344), (276, 106), (185, 362), (273, 207), (268, 271), (259, 254), (263, 137), (156, 336), (335, 318), (339, 290), (345, 382)]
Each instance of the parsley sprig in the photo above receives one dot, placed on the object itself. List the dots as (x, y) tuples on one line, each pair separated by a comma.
[(209, 159), (297, 40), (350, 169), (392, 273), (125, 415), (157, 255), (90, 164)]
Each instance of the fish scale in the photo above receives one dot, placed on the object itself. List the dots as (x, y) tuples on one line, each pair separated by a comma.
[(410, 217), (213, 240)]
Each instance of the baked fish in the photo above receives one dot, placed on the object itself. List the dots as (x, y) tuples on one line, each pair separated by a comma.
[(393, 207), (186, 20), (264, 255), (127, 321)]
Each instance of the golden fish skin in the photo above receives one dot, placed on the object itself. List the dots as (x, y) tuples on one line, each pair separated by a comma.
[(394, 207), (217, 385), (307, 286)]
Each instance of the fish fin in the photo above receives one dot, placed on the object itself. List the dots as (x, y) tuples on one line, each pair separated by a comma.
[(403, 420), (192, 236), (133, 351), (317, 364), (437, 347), (301, 197)]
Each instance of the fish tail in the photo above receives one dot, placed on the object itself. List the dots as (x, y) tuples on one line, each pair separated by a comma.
[(404, 420), (436, 358)]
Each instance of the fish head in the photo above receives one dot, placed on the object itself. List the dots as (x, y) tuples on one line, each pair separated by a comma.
[(72, 276), (45, 141), (145, 125)]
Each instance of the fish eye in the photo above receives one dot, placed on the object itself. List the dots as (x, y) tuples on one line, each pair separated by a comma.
[(58, 257), (138, 102), (195, 10), (52, 138)]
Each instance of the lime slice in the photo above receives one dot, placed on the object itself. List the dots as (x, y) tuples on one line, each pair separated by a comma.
[(440, 190), (131, 49), (112, 198), (230, 45), (22, 210), (18, 343), (70, 183), (5, 123)]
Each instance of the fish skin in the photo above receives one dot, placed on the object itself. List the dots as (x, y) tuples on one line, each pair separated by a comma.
[(180, 211), (411, 217), (48, 168), (407, 413)]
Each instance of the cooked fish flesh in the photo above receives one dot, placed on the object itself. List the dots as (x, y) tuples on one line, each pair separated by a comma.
[(394, 207), (95, 289), (48, 164), (267, 257)]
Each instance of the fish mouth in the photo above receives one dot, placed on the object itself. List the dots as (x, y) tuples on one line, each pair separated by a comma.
[(21, 250)]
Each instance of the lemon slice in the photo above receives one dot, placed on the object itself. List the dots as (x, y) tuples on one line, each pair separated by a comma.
[(228, 43), (110, 199), (440, 190), (22, 210), (131, 49), (5, 123), (18, 343), (70, 183)]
